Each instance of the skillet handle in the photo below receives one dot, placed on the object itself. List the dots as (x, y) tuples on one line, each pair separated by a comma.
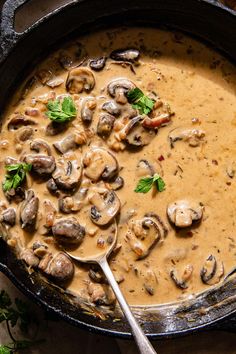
[(9, 8)]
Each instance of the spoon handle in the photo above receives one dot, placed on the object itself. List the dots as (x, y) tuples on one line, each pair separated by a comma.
[(142, 341)]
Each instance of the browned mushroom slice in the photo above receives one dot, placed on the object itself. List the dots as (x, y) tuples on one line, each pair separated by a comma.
[(70, 142), (144, 168), (80, 79), (19, 121), (100, 163), (55, 82), (97, 64), (142, 235), (68, 204), (118, 183), (47, 219), (52, 187), (42, 165), (40, 146), (112, 108), (68, 231), (68, 174), (29, 257), (130, 54), (29, 210), (135, 134), (118, 89), (23, 134), (100, 294), (192, 136), (211, 272), (17, 194), (54, 128), (43, 76), (105, 206), (105, 124), (59, 267), (182, 282), (87, 109), (150, 281), (184, 213), (8, 216), (40, 249)]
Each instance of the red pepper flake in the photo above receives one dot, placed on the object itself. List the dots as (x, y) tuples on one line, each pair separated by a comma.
[(189, 233), (161, 158)]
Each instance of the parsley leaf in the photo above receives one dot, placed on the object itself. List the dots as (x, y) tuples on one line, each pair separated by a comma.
[(145, 184), (139, 101), (61, 112), (4, 349), (15, 175)]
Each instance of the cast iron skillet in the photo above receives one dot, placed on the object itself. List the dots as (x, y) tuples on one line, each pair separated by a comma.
[(206, 19)]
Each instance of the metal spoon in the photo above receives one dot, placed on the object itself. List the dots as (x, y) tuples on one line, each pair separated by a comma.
[(100, 258)]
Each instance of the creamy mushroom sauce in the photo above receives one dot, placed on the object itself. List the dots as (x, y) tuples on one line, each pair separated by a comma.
[(194, 152)]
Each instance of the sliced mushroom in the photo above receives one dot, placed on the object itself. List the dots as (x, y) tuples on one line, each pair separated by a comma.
[(131, 55), (69, 205), (150, 281), (59, 267), (80, 79), (40, 249), (29, 210), (42, 165), (142, 235), (54, 128), (135, 134), (68, 231), (40, 146), (17, 194), (52, 187), (118, 88), (100, 163), (55, 82), (184, 213), (70, 142), (48, 216), (112, 108), (118, 183), (105, 124), (43, 76), (19, 121), (87, 109), (97, 64), (23, 134), (157, 122), (8, 216), (29, 257), (182, 282), (144, 168), (68, 174), (100, 294), (231, 169), (193, 137), (105, 206), (211, 273)]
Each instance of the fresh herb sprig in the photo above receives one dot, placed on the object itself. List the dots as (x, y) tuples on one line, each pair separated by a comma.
[(15, 175), (61, 112), (145, 184), (11, 316), (139, 101)]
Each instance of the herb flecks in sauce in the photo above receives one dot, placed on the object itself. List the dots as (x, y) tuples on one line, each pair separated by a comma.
[(139, 101), (145, 184), (61, 112), (16, 175)]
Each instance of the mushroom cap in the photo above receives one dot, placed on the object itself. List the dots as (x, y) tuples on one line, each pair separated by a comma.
[(130, 54), (68, 231), (100, 163), (80, 79), (120, 84), (105, 206), (135, 134), (41, 164), (68, 174), (182, 213)]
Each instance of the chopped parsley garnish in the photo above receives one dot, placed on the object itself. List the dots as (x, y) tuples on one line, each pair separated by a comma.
[(139, 101), (61, 112), (15, 175), (145, 184)]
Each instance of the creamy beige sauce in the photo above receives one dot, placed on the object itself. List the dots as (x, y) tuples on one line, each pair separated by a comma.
[(199, 85)]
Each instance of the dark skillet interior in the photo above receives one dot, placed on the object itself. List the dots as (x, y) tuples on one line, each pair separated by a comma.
[(201, 18)]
